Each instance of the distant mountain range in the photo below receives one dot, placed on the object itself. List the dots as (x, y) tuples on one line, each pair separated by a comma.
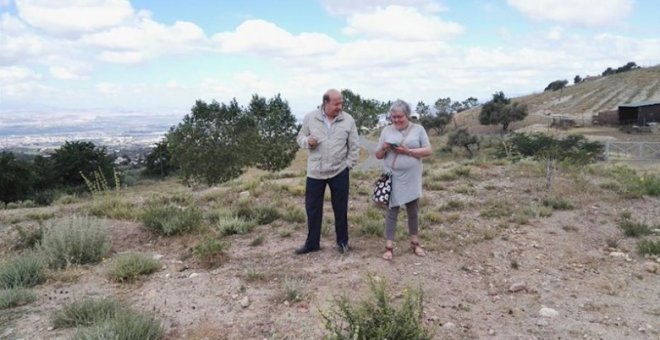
[(579, 101)]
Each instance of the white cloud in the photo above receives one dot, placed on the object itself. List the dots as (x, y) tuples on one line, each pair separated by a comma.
[(4, 3), (259, 37), (581, 13), (555, 33), (72, 18), (111, 89), (70, 70), (350, 7), (16, 81), (17, 43), (401, 23), (148, 35)]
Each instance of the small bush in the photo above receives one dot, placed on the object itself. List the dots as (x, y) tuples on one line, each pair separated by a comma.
[(294, 214), (210, 252), (235, 225), (649, 247), (496, 209), (28, 238), (113, 207), (131, 266), (557, 203), (452, 205), (87, 312), (23, 271), (14, 297), (634, 185), (262, 214), (633, 228), (293, 290), (378, 317), (127, 325), (75, 240), (171, 219), (252, 275)]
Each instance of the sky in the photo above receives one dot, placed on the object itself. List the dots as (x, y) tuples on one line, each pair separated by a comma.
[(152, 57)]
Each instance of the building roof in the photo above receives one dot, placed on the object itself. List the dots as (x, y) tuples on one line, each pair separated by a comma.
[(640, 104)]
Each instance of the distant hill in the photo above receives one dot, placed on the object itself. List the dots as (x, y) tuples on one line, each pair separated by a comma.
[(581, 101)]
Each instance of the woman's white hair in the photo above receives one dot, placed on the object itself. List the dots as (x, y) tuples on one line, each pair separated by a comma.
[(400, 106)]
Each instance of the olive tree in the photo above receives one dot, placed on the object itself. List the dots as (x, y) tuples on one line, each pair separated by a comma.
[(501, 110)]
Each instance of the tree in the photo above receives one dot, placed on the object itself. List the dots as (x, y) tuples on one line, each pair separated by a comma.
[(211, 145), (77, 157), (159, 161), (577, 79), (462, 138), (217, 142), (364, 111), (443, 106), (16, 178), (469, 103), (500, 110), (422, 109), (276, 130), (437, 122), (556, 85)]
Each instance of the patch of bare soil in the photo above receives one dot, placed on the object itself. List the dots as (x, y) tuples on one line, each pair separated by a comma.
[(565, 276)]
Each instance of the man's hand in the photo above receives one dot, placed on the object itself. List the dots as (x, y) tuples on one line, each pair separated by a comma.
[(311, 140)]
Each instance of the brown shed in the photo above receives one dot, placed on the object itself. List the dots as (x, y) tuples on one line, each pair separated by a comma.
[(639, 113)]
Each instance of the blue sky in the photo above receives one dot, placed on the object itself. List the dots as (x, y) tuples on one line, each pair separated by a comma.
[(151, 57)]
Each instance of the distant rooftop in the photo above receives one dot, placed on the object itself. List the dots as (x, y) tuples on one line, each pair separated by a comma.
[(640, 104)]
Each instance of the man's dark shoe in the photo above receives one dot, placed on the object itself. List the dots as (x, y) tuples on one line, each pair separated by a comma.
[(343, 248), (304, 250)]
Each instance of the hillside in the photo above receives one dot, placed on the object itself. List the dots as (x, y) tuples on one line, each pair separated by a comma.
[(580, 101), (506, 258)]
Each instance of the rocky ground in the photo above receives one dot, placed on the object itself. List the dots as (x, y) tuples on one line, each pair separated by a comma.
[(487, 274)]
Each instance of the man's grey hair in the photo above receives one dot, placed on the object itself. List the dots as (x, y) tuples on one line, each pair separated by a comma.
[(400, 106)]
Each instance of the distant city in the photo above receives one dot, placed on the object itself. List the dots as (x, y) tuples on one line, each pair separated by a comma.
[(39, 132)]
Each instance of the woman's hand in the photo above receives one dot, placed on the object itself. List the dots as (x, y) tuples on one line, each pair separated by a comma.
[(404, 151)]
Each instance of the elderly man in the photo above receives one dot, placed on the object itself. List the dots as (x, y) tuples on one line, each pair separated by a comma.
[(331, 138)]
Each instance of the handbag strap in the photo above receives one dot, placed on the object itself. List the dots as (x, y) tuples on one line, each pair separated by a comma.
[(405, 136)]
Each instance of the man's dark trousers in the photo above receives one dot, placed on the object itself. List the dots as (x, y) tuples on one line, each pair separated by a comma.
[(314, 192)]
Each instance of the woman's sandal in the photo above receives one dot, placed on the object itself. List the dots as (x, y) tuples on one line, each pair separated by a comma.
[(388, 254), (417, 249)]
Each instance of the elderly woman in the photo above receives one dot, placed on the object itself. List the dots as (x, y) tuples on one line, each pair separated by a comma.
[(402, 146)]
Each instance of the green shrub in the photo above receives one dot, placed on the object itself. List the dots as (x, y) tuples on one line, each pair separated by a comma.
[(125, 326), (371, 222), (113, 207), (210, 252), (22, 271), (28, 238), (452, 205), (294, 214), (557, 203), (496, 209), (649, 247), (75, 240), (633, 184), (14, 297), (171, 219), (293, 290), (574, 149), (262, 214), (232, 225), (87, 312), (633, 228), (377, 317), (131, 266)]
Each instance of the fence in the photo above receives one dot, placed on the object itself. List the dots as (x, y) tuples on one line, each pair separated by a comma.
[(633, 151)]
